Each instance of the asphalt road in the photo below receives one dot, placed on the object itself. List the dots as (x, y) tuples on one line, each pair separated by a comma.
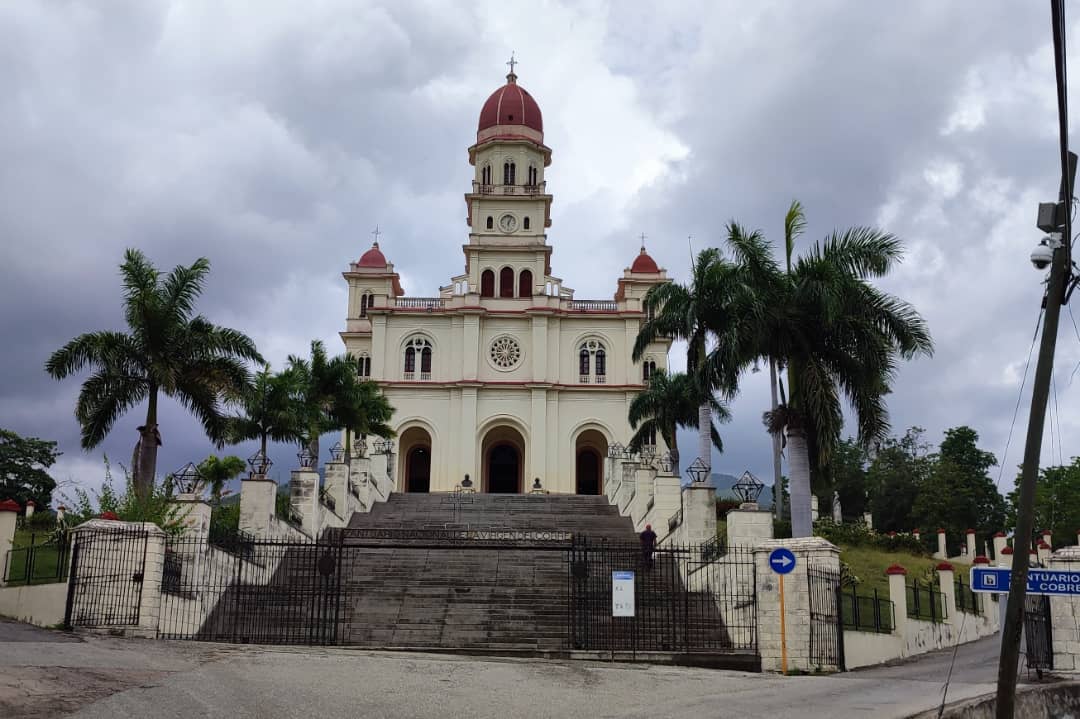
[(48, 674)]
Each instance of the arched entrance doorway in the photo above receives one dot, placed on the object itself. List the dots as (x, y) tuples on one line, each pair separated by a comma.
[(416, 457), (589, 451), (504, 461)]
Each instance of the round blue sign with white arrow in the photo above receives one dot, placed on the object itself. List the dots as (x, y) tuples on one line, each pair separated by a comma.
[(782, 560)]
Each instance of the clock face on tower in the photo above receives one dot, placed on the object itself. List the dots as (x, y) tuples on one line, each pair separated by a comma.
[(507, 223)]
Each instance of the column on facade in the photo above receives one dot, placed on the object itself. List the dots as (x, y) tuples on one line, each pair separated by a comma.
[(537, 460), (467, 432)]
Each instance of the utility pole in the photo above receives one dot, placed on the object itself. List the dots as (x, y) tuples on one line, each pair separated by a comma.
[(1060, 275), (778, 485)]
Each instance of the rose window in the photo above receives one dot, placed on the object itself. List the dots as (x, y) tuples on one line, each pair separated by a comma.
[(505, 352)]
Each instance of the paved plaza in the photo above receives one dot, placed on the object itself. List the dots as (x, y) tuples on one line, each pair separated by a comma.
[(50, 674)]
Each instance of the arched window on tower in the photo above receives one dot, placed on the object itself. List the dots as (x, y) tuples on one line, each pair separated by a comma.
[(525, 288), (363, 365), (525, 223), (532, 178), (490, 222), (648, 369), (485, 175), (367, 301), (583, 365), (487, 283), (509, 173), (506, 282), (650, 437), (592, 353), (422, 347)]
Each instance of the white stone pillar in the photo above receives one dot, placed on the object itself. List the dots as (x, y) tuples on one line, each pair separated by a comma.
[(1044, 553), (667, 491), (1000, 542), (699, 513), (946, 579), (304, 499), (898, 596), (796, 628), (61, 512), (970, 537), (258, 499), (748, 526), (1005, 557), (31, 505), (337, 486), (1048, 537), (193, 514), (1065, 615), (868, 520), (942, 552), (915, 533), (9, 514), (813, 508)]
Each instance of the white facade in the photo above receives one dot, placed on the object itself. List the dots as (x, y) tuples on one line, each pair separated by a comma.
[(503, 376)]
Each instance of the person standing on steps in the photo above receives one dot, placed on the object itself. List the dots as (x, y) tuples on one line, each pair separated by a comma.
[(648, 546)]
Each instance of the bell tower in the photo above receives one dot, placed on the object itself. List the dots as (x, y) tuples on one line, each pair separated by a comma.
[(509, 206)]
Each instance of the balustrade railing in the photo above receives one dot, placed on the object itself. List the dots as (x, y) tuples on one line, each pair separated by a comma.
[(594, 305), (420, 303)]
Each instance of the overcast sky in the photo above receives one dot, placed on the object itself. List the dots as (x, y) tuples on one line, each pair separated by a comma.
[(272, 136)]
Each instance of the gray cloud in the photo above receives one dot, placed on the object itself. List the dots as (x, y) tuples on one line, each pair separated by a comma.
[(272, 137)]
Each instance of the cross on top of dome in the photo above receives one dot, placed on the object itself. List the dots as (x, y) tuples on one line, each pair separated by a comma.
[(512, 76)]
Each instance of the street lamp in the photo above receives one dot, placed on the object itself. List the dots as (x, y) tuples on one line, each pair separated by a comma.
[(305, 458), (188, 478), (698, 471), (748, 488), (337, 452), (260, 464)]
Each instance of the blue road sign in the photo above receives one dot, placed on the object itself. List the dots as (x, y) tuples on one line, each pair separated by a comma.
[(1040, 581), (782, 560)]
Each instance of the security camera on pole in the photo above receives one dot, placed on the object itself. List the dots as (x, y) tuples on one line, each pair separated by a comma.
[(1056, 252)]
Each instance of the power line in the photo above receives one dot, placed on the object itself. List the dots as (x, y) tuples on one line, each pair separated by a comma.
[(1019, 399)]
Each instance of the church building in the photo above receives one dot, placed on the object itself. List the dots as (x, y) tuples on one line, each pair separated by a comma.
[(504, 376)]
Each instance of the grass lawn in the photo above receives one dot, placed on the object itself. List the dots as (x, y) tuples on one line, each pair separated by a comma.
[(869, 565), (44, 559)]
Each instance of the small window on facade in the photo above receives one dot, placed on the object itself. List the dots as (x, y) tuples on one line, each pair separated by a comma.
[(648, 369), (490, 223), (525, 288), (363, 366), (583, 362), (506, 282), (601, 363), (410, 360), (532, 175), (509, 172), (363, 305), (487, 283), (525, 223), (422, 347), (425, 360), (650, 438), (485, 175)]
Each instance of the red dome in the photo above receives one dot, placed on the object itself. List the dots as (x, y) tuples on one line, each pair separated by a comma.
[(511, 104), (373, 258), (644, 264)]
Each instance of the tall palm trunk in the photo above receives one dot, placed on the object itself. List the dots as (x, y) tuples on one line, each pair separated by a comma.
[(799, 463), (705, 435), (778, 484), (142, 474), (673, 450)]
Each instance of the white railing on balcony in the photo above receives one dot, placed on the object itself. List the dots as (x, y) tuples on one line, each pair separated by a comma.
[(410, 376), (425, 376), (419, 303), (601, 379), (482, 189), (594, 305)]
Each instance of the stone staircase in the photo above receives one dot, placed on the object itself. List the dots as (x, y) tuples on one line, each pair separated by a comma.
[(402, 590)]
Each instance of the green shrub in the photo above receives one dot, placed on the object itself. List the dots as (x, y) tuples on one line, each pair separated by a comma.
[(224, 519), (857, 534), (723, 506), (126, 504), (40, 522)]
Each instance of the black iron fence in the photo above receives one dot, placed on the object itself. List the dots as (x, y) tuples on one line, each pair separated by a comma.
[(925, 603), (1038, 638), (43, 560), (107, 571), (684, 600), (867, 612), (826, 625), (966, 600), (251, 591)]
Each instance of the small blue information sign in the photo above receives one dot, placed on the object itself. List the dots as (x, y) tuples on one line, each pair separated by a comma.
[(995, 580), (782, 560)]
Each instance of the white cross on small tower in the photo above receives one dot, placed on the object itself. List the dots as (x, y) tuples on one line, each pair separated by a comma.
[(512, 76), (376, 233)]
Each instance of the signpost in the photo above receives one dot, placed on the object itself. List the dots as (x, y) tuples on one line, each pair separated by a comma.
[(1054, 582), (782, 561), (622, 605)]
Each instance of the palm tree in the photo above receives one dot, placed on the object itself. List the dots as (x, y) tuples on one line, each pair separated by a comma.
[(681, 312), (361, 408), (270, 410), (668, 402), (322, 379), (836, 335), (216, 471), (166, 350)]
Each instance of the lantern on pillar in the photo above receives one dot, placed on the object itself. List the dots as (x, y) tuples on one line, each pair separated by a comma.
[(698, 471), (748, 488), (305, 458), (188, 479), (260, 464), (337, 452), (615, 451)]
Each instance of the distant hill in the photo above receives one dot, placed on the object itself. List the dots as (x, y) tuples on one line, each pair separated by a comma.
[(723, 484)]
